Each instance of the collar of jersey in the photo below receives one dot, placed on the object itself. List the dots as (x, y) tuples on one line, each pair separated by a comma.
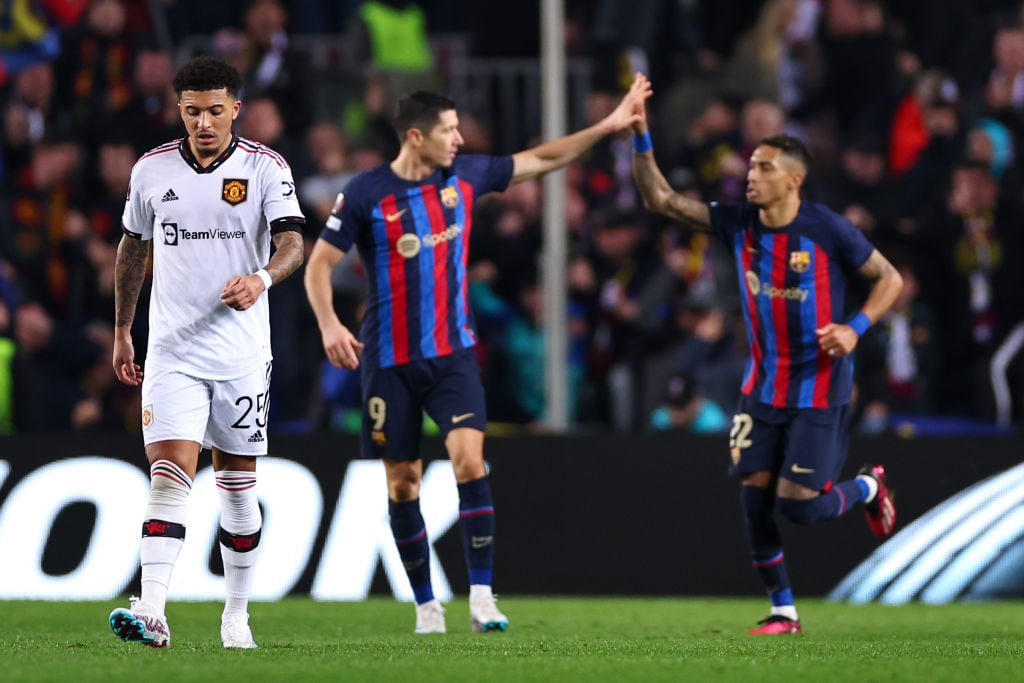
[(186, 154)]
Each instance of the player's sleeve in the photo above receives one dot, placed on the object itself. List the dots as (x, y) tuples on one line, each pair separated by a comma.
[(854, 247), (138, 217), (726, 219), (486, 173), (348, 214), (280, 201)]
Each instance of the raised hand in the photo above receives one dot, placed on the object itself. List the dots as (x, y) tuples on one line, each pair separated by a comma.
[(631, 111)]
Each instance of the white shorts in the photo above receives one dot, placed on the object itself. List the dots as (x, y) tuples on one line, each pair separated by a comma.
[(229, 415)]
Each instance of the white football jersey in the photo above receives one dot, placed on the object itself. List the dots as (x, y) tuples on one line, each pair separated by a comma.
[(207, 226)]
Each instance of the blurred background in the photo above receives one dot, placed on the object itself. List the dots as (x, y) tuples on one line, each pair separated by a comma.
[(913, 110)]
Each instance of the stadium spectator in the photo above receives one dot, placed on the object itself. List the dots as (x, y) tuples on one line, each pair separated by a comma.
[(926, 140), (926, 112), (859, 76), (508, 237), (94, 70), (411, 220), (27, 38), (214, 202), (707, 369), (607, 181), (1004, 93), (55, 357), (151, 116), (759, 119), (979, 283), (896, 364), (327, 148), (263, 121), (274, 69), (35, 239), (992, 143), (712, 135), (623, 263), (390, 37), (788, 440), (28, 114), (515, 359), (773, 59), (9, 383), (860, 188)]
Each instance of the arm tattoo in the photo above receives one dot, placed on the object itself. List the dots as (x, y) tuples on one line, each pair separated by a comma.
[(693, 213), (649, 178), (659, 196), (129, 273), (287, 256), (876, 267)]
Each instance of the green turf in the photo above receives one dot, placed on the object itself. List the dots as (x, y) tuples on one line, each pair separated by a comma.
[(550, 639)]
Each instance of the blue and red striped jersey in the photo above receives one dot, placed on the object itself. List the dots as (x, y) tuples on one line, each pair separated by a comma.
[(792, 282), (413, 239)]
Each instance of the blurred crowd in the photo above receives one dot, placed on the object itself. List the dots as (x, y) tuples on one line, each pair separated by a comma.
[(913, 110)]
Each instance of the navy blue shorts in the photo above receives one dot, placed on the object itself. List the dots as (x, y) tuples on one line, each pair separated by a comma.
[(805, 445), (447, 388)]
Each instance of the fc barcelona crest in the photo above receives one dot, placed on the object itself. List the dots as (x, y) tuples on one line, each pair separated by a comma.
[(799, 261), (235, 190), (449, 197)]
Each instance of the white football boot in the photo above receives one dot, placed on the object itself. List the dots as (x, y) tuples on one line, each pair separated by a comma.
[(430, 617), (140, 624), (483, 610)]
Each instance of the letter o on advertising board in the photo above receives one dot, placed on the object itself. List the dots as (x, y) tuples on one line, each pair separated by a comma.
[(118, 490)]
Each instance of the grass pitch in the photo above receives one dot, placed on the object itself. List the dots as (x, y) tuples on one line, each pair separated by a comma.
[(550, 639)]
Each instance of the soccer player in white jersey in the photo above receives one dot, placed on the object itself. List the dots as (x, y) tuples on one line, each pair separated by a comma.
[(211, 204)]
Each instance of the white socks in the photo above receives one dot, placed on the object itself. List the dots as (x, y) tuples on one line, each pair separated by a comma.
[(240, 524), (163, 530), (788, 611), (872, 485)]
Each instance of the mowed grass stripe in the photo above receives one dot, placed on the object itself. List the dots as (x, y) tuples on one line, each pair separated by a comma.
[(550, 639)]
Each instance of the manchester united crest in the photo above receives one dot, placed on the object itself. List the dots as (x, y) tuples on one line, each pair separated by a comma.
[(235, 190), (147, 416), (449, 197), (799, 261)]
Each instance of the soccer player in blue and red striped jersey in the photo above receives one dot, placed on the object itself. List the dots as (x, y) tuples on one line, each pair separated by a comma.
[(789, 437), (411, 220)]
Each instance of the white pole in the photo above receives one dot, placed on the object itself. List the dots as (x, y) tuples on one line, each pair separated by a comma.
[(553, 89)]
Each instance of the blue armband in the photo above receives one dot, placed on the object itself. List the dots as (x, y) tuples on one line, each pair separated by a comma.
[(642, 142), (859, 324)]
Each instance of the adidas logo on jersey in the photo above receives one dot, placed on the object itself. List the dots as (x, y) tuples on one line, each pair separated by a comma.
[(169, 196), (257, 437)]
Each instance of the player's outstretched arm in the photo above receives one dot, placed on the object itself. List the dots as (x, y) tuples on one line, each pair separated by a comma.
[(242, 291), (556, 154), (129, 274), (657, 194), (340, 345)]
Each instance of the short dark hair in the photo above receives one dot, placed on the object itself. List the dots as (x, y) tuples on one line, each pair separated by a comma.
[(207, 73), (791, 146), (422, 109)]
